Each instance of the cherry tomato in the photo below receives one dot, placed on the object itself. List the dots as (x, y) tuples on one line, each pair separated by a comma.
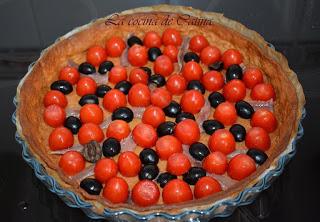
[(138, 55), (197, 43), (129, 164), (176, 84), (152, 39), (96, 55), (69, 74), (241, 166), (230, 57), (89, 132), (54, 115), (145, 193), (178, 164), (252, 77), (55, 97), (265, 119), (192, 101), (115, 46), (176, 191), (163, 65), (116, 190), (192, 71), (117, 74), (234, 91), (114, 99), (212, 81), (215, 162), (138, 75), (222, 140), (118, 129), (60, 138), (91, 113), (105, 169), (258, 138), (86, 85), (168, 145), (171, 37), (226, 113), (172, 52), (144, 135), (187, 131), (153, 116), (206, 186), (71, 163), (263, 91), (210, 55), (139, 95), (160, 97)]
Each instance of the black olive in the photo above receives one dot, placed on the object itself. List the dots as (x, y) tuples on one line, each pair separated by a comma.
[(148, 172), (183, 116), (105, 67), (173, 109), (88, 99), (102, 90), (86, 68), (210, 126), (257, 155), (244, 109), (153, 53), (191, 56), (91, 186), (157, 79), (196, 84), (134, 40), (124, 86), (63, 86), (111, 147), (238, 132), (199, 151), (166, 128), (73, 124), (215, 98), (147, 70), (123, 113), (193, 175), (164, 178), (233, 72), (217, 66), (149, 156)]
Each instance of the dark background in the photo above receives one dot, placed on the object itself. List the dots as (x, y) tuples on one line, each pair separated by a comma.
[(28, 26)]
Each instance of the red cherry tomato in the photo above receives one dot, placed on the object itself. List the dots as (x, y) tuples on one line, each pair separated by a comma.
[(144, 135), (252, 77), (192, 101), (192, 71), (168, 145), (71, 163), (176, 84), (222, 140), (212, 81), (178, 164), (89, 132), (160, 97), (129, 164), (171, 37), (91, 113), (116, 190), (54, 115), (206, 186), (172, 52), (187, 131), (60, 138), (197, 43), (105, 169), (230, 57), (265, 119), (145, 193), (153, 116), (138, 55), (163, 65), (210, 55), (114, 99), (55, 97), (234, 91), (86, 85), (139, 95), (115, 46), (152, 39), (69, 74), (138, 75), (176, 191), (118, 129), (226, 113), (96, 55), (263, 91), (258, 138), (117, 74), (241, 166), (215, 162)]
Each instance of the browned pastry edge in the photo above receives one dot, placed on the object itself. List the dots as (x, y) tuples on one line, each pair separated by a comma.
[(288, 107)]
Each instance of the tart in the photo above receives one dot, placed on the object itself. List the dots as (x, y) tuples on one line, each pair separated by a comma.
[(161, 109)]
